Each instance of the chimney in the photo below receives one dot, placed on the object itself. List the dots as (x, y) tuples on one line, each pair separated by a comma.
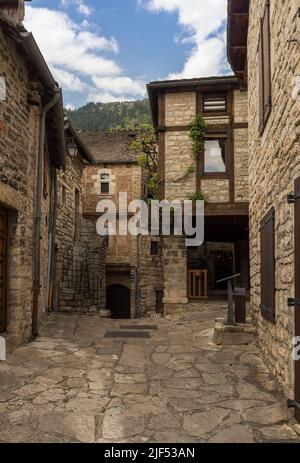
[(13, 10)]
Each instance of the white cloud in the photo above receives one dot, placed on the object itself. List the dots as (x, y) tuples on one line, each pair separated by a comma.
[(77, 57), (203, 24), (80, 5), (120, 85)]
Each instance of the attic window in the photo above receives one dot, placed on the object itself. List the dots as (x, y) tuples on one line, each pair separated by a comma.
[(214, 103)]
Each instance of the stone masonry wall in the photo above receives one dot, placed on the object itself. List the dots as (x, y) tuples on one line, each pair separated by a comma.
[(180, 108), (19, 128), (122, 178), (150, 274), (273, 166), (80, 263)]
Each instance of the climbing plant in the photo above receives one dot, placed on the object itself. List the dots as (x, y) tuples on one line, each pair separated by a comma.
[(146, 148), (197, 134)]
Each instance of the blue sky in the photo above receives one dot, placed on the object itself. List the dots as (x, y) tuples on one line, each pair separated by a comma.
[(106, 50)]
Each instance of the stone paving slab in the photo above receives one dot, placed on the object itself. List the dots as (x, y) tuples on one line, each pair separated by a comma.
[(74, 385)]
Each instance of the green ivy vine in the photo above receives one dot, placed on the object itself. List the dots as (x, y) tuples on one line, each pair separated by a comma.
[(197, 134)]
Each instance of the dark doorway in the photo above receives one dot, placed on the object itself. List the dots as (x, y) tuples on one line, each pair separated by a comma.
[(118, 301), (3, 272), (223, 263)]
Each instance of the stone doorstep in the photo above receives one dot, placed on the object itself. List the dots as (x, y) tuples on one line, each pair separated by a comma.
[(239, 334)]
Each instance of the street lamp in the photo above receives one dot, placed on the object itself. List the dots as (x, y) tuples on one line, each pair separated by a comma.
[(72, 148)]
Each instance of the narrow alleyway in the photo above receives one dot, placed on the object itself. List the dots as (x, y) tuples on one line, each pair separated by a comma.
[(76, 385)]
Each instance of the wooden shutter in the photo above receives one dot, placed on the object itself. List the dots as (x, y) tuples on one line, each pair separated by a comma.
[(267, 243), (261, 81), (265, 68)]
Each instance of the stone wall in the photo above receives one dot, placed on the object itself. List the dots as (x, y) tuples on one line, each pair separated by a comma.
[(80, 256), (180, 108), (150, 275), (122, 178), (179, 156), (19, 132), (273, 166), (175, 274)]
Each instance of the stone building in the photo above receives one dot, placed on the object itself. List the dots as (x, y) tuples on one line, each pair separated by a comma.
[(220, 172), (79, 251), (116, 170), (31, 151), (264, 38)]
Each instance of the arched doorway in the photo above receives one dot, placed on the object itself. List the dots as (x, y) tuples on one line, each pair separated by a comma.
[(118, 301)]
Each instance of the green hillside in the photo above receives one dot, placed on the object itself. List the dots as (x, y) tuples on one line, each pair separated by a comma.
[(107, 116)]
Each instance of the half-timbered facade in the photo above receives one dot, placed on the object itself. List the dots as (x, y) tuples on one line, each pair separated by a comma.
[(219, 172)]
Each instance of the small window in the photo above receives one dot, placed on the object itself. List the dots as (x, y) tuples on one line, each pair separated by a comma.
[(104, 188), (154, 248), (63, 195), (215, 155), (214, 104)]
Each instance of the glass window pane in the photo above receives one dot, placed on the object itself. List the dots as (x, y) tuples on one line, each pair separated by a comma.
[(214, 156)]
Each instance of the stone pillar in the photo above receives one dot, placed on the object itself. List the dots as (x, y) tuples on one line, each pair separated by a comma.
[(175, 274)]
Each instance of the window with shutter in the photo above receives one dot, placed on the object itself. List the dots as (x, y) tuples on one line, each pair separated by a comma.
[(267, 266), (265, 84), (215, 103)]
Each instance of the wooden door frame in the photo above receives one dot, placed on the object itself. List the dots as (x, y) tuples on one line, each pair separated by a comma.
[(4, 212)]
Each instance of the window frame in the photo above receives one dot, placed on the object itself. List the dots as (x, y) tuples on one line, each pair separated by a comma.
[(265, 72), (215, 112), (105, 193), (217, 135)]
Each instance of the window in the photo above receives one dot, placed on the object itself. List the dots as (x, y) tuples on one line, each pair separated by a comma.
[(104, 188), (154, 248), (265, 85), (267, 266), (215, 103), (214, 155), (77, 215)]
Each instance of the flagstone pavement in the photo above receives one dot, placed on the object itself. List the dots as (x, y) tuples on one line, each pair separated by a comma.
[(75, 385)]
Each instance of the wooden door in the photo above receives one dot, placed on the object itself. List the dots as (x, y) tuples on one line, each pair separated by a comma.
[(3, 276), (297, 291)]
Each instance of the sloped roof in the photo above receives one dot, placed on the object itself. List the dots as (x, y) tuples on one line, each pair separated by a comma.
[(110, 147)]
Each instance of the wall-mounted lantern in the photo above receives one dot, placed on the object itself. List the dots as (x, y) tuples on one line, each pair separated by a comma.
[(72, 148)]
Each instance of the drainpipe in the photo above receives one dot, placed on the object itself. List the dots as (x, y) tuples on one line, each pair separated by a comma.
[(38, 212)]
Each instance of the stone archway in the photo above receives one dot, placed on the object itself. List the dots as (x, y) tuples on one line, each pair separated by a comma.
[(118, 301)]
